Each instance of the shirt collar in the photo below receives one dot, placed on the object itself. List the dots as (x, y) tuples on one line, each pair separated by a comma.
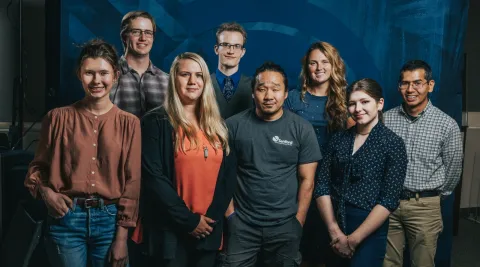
[(378, 127), (221, 77), (415, 118), (125, 68)]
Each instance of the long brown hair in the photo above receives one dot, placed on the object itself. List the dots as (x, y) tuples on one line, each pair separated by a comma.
[(336, 107), (210, 121)]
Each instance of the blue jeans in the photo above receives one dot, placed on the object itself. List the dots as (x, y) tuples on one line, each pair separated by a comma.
[(82, 235)]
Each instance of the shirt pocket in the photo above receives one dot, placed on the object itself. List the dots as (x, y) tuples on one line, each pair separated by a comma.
[(427, 152)]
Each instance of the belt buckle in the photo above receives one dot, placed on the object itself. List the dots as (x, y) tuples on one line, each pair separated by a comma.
[(408, 195), (88, 202)]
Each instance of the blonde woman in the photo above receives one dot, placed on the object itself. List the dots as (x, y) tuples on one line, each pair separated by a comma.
[(321, 100), (188, 170)]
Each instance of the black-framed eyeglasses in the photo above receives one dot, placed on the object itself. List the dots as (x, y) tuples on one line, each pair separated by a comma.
[(404, 85), (229, 46), (139, 32)]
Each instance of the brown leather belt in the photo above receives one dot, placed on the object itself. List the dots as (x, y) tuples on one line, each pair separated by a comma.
[(94, 202)]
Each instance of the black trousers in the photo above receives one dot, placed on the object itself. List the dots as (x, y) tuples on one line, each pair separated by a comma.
[(278, 245), (186, 255), (315, 244)]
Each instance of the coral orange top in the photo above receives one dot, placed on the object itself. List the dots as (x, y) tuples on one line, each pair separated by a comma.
[(196, 173)]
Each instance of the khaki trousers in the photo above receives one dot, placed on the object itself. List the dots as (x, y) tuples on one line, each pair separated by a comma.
[(420, 221)]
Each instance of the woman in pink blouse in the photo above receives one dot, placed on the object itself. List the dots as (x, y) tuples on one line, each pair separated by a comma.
[(87, 169)]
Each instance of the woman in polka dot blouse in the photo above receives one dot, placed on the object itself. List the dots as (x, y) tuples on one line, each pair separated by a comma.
[(360, 179)]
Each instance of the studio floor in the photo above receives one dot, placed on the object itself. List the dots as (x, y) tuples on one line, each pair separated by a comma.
[(466, 245)]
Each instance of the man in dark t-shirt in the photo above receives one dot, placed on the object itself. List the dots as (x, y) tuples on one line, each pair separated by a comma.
[(277, 155)]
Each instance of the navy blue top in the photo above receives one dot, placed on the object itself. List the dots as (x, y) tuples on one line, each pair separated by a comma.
[(311, 109), (374, 175), (221, 79)]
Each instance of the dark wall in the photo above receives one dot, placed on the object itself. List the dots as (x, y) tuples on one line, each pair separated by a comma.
[(472, 50)]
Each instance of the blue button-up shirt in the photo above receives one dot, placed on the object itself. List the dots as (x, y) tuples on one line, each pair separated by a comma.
[(221, 80)]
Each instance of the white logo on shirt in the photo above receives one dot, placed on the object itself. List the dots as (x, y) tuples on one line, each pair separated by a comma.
[(279, 141)]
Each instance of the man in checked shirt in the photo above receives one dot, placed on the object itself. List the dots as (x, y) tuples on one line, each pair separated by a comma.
[(141, 86), (434, 150)]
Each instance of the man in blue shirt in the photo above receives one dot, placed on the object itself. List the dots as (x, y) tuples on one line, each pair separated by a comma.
[(231, 87)]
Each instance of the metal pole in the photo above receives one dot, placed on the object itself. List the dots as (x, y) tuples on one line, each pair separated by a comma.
[(21, 83), (472, 214)]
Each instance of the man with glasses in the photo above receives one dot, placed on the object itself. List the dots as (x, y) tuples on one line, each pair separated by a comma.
[(141, 86), (434, 149), (232, 88)]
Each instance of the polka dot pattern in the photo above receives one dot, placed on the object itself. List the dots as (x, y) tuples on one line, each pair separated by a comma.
[(374, 175)]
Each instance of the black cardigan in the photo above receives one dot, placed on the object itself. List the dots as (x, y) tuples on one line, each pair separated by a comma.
[(164, 214)]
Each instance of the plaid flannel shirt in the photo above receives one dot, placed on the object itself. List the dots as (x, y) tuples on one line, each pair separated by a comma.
[(136, 94)]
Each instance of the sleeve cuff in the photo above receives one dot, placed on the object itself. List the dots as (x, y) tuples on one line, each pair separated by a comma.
[(192, 223), (388, 207), (321, 193)]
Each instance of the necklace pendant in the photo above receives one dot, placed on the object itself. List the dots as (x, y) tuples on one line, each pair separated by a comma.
[(205, 152)]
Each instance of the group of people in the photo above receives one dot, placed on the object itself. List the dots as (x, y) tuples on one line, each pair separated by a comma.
[(222, 169)]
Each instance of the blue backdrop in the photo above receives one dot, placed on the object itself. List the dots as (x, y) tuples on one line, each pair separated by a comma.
[(374, 37)]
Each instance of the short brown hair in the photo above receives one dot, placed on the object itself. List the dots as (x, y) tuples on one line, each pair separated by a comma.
[(98, 48), (232, 27), (127, 19)]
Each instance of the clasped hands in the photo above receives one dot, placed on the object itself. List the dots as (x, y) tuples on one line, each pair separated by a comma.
[(204, 227), (342, 246)]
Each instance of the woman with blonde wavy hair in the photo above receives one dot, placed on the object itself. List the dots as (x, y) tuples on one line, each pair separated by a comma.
[(321, 100), (188, 170)]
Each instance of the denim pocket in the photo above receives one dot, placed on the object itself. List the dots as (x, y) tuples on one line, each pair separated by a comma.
[(50, 217), (110, 209)]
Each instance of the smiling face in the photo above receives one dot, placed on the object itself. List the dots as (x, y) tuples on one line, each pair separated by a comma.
[(364, 108), (319, 67), (415, 93), (142, 44), (269, 95), (97, 77), (189, 81)]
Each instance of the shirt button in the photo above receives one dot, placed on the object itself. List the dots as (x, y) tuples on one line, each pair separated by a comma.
[(96, 117), (93, 184), (95, 131), (93, 158), (93, 172), (94, 144)]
